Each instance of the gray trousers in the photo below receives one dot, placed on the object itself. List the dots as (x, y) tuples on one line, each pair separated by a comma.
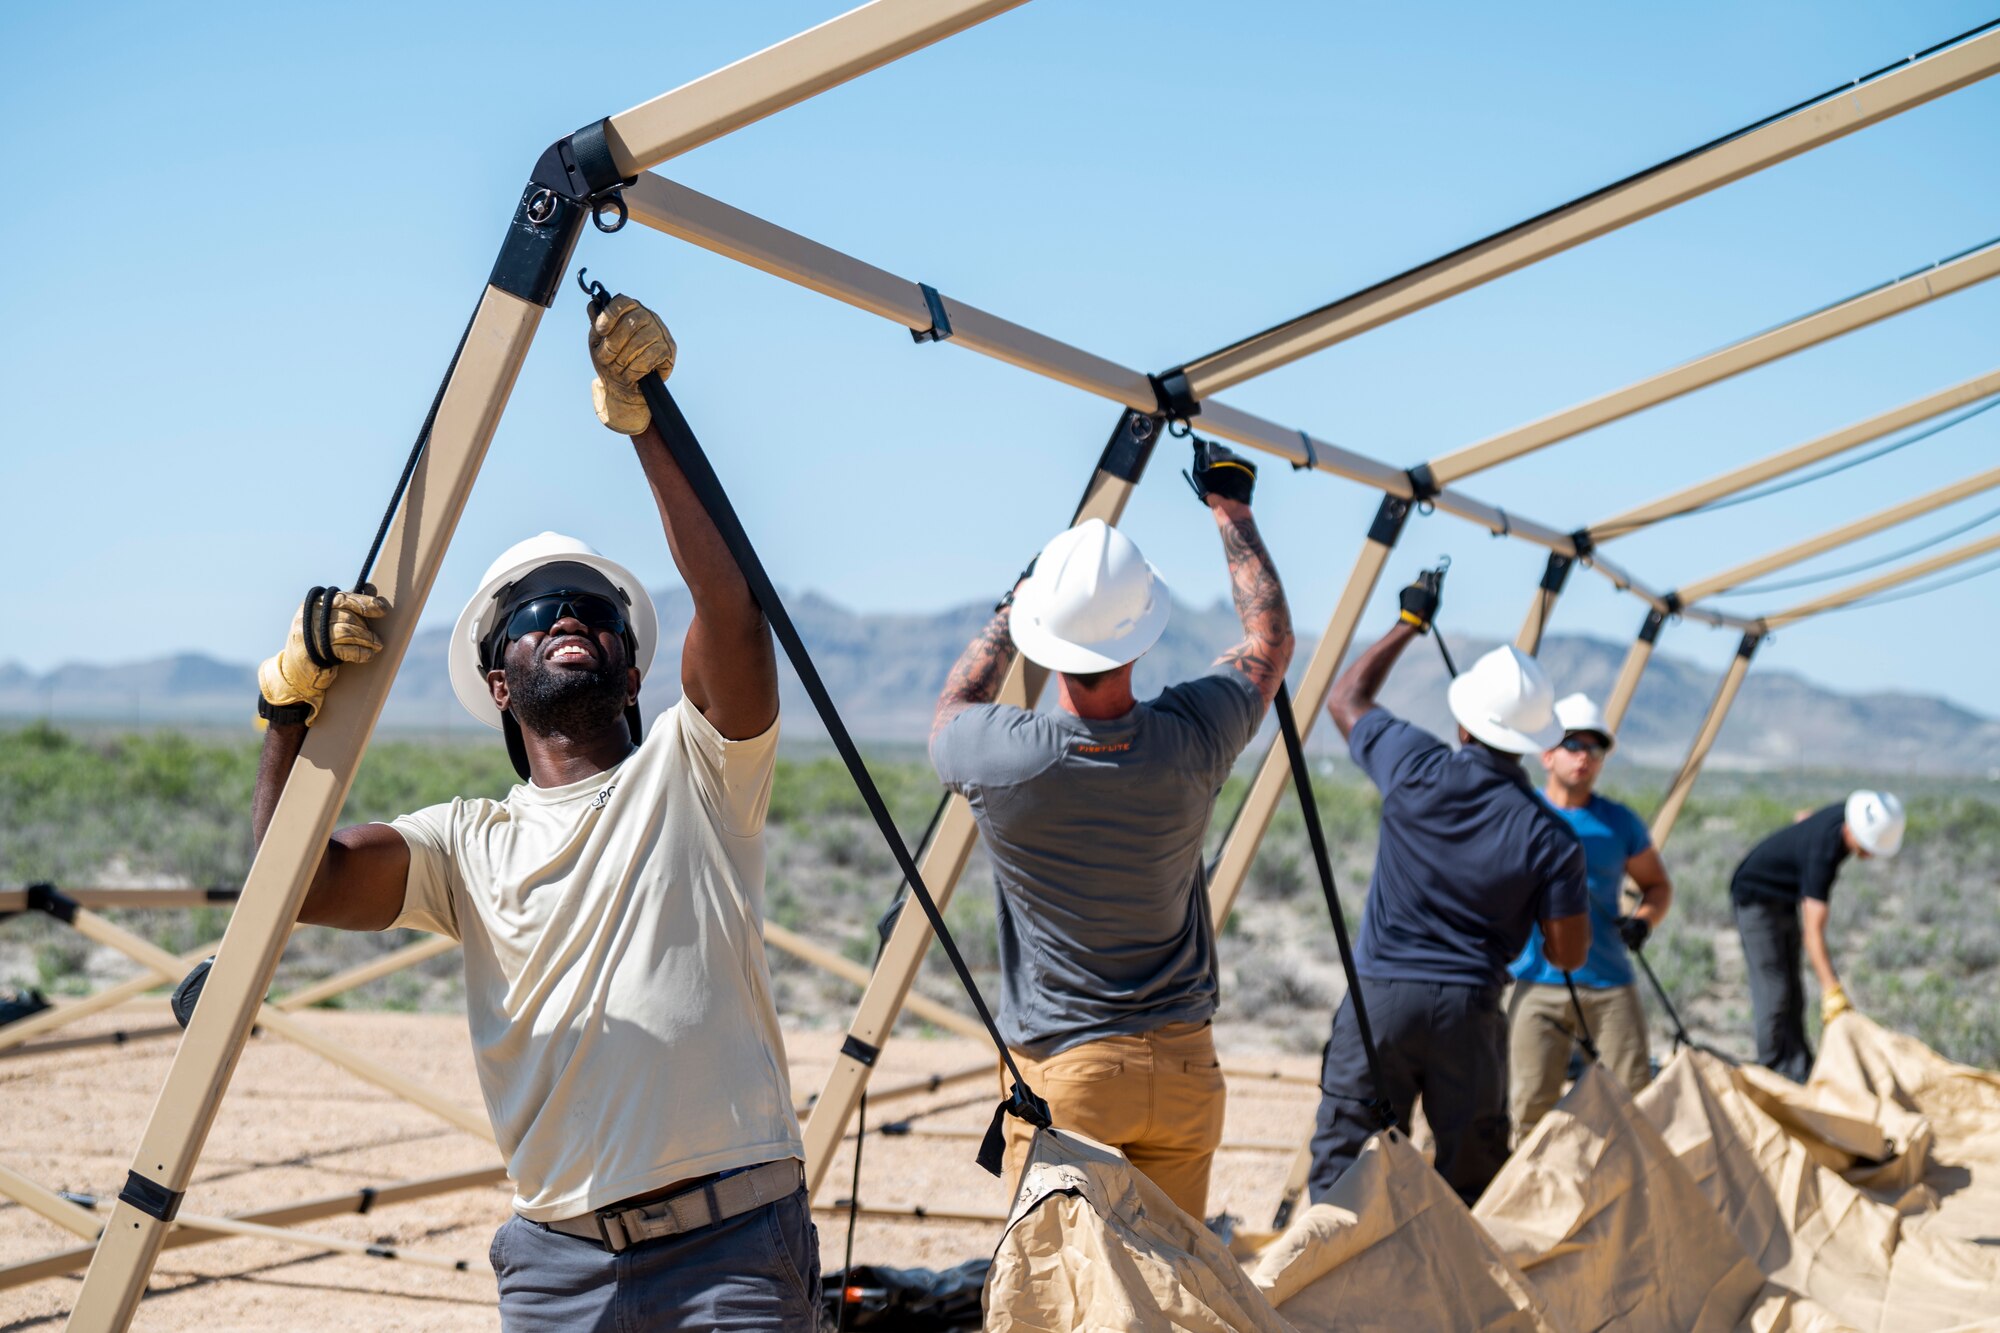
[(756, 1271), (1771, 942), (1447, 1043)]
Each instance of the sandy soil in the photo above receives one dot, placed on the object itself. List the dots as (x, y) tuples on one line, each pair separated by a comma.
[(295, 1127)]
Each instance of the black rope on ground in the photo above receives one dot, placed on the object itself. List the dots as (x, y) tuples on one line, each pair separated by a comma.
[(1288, 727), (1582, 1033), (680, 441)]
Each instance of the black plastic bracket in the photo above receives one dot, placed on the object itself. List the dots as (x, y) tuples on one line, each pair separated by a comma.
[(1656, 620), (150, 1197), (856, 1049), (1131, 446), (1673, 603), (1174, 395), (1390, 516), (940, 328), (367, 1199), (1423, 483), (48, 898), (1585, 543), (1748, 647), (1556, 573), (571, 178)]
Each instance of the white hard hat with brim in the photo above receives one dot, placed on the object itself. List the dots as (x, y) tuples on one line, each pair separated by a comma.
[(1505, 700), (1093, 602), (476, 622)]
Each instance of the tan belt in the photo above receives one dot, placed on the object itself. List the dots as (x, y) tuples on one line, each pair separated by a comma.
[(703, 1205)]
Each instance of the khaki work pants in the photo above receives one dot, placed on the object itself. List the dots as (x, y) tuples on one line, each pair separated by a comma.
[(1541, 1027), (1156, 1097)]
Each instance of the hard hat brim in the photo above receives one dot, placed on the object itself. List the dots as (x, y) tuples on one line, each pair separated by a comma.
[(468, 681), (1494, 732), (1046, 649)]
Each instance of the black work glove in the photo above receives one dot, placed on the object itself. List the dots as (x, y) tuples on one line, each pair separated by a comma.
[(1221, 473), (1420, 600), (1634, 931)]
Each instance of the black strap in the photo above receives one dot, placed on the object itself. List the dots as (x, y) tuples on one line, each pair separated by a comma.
[(1681, 1037), (1582, 1033), (1288, 726), (694, 465)]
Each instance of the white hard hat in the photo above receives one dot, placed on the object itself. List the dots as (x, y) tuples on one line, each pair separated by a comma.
[(1505, 700), (1877, 820), (1579, 712), (462, 659), (1093, 602)]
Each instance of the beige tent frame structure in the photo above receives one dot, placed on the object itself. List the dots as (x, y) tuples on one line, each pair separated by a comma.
[(582, 176)]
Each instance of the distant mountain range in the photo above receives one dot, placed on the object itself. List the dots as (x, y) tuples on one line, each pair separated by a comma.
[(885, 671)]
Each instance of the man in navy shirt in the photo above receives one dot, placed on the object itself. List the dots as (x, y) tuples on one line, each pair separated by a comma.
[(1780, 895), (1469, 860), (1616, 843)]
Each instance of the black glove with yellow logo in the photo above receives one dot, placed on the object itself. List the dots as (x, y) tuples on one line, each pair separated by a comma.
[(1220, 473)]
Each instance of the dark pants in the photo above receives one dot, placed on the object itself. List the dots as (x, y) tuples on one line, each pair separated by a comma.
[(1770, 932), (756, 1271), (1447, 1043)]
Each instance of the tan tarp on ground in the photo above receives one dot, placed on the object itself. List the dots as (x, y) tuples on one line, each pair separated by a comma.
[(1094, 1245), (1876, 1146), (1395, 1249), (1615, 1233)]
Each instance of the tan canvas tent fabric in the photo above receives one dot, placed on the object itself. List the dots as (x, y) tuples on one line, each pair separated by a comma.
[(1874, 1145), (1093, 1245), (1615, 1233), (1395, 1249)]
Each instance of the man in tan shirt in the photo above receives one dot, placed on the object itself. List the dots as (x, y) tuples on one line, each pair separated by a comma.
[(611, 909)]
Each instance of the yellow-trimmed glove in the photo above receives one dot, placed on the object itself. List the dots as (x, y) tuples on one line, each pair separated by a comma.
[(1832, 1004), (627, 343), (291, 678)]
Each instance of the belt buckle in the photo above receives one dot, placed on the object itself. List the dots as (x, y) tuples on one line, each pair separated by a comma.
[(607, 1224)]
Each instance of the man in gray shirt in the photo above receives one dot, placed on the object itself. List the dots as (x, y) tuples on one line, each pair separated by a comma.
[(1094, 816)]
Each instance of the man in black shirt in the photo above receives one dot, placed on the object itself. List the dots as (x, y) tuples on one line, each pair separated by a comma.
[(1780, 895)]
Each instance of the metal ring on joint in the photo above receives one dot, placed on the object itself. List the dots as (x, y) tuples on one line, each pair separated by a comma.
[(617, 201), (1179, 428)]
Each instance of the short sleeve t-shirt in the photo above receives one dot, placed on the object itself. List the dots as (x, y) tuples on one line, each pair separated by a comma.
[(616, 986), (1095, 832), (1611, 834), (1469, 859), (1795, 862)]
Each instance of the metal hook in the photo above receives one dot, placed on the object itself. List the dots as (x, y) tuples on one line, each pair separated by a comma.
[(1444, 563), (599, 298)]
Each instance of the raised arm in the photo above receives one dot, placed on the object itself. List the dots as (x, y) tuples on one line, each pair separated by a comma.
[(975, 678), (360, 881), (1355, 692), (1266, 650), (729, 669)]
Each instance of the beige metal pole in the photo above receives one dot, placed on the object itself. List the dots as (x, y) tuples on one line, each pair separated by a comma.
[(1842, 535), (1879, 303), (1673, 182), (1547, 593), (1801, 455), (495, 346), (62, 1015), (1711, 727), (924, 1007), (1868, 588), (341, 982), (943, 860), (1637, 657), (779, 76), (1246, 831)]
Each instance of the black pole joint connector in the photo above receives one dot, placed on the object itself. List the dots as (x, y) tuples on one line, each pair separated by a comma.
[(856, 1049), (1131, 445), (940, 329), (1390, 516), (48, 898), (1584, 543), (1656, 620), (575, 178), (1748, 647), (1673, 603), (1556, 573), (150, 1197), (1423, 484), (1174, 394)]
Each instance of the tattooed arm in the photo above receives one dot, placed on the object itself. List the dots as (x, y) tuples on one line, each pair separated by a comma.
[(975, 678), (1266, 649)]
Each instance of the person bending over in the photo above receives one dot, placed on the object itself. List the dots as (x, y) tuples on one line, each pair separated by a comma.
[(1780, 894), (1094, 816), (1469, 860), (611, 909), (1540, 1018)]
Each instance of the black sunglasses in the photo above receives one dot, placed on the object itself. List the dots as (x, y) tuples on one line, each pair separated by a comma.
[(539, 614), (1583, 745)]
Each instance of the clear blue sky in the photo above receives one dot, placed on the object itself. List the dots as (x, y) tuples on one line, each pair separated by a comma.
[(244, 238)]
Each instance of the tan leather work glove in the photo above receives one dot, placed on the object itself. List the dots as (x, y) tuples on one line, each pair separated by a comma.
[(627, 343), (1832, 1004), (291, 678)]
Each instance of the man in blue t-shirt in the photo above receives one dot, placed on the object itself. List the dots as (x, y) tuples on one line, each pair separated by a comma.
[(1541, 1016), (1469, 861)]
